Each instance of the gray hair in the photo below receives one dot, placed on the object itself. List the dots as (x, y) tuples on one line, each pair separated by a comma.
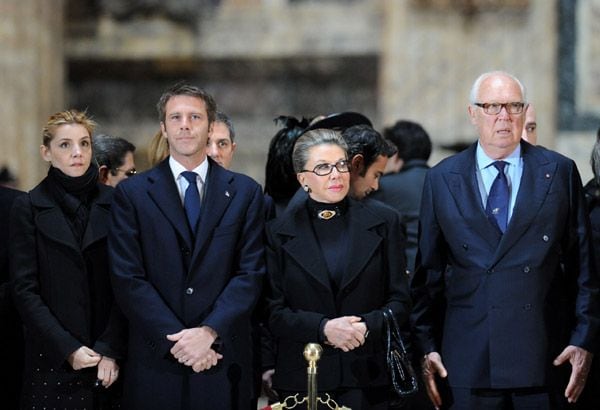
[(224, 118), (312, 138), (477, 84)]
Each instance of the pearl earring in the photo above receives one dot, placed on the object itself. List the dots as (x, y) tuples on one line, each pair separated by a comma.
[(307, 189)]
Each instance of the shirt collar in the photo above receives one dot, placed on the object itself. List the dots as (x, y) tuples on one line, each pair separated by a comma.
[(483, 161), (177, 169)]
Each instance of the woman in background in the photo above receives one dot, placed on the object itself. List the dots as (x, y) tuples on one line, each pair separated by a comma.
[(59, 267)]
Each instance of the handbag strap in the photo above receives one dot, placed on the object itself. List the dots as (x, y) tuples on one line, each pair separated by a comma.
[(393, 331)]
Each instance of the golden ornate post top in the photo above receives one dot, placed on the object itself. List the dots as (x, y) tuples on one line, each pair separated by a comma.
[(312, 352)]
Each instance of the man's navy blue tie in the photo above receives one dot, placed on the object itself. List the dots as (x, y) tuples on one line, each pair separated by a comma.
[(191, 199), (497, 202)]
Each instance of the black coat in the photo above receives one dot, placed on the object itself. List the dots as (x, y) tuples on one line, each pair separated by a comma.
[(11, 343), (301, 296), (62, 291)]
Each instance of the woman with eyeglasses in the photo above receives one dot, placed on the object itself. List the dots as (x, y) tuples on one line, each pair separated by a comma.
[(333, 264), (74, 333)]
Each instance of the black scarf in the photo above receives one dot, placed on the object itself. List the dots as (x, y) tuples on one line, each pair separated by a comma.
[(74, 195)]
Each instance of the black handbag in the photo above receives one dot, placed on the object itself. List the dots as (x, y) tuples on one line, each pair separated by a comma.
[(402, 374)]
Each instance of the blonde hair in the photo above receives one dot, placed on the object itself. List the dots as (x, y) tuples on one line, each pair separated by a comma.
[(158, 149), (65, 118)]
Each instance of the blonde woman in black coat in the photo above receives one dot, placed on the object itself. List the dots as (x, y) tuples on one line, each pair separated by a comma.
[(59, 267), (334, 264)]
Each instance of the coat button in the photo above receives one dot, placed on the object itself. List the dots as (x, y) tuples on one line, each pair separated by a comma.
[(545, 238), (527, 306), (189, 291), (526, 269), (185, 251)]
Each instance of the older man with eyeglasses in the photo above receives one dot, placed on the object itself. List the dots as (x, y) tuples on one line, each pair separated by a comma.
[(505, 292)]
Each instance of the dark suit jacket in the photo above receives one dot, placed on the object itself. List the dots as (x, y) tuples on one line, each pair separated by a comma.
[(165, 282), (402, 191), (11, 343), (300, 294), (510, 299)]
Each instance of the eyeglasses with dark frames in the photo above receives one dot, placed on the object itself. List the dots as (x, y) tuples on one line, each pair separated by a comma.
[(495, 108), (129, 172), (326, 169)]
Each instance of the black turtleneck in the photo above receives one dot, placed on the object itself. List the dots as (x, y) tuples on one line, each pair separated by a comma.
[(331, 235)]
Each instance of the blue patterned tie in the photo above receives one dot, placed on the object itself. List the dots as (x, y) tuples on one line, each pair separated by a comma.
[(191, 200), (497, 202)]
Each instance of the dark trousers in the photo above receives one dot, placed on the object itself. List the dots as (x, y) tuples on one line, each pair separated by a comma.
[(501, 399)]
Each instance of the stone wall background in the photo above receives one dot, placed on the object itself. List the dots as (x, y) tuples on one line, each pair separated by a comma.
[(389, 59)]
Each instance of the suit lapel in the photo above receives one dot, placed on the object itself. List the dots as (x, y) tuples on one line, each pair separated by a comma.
[(163, 192), (537, 177), (302, 245), (218, 194), (363, 241), (97, 226), (462, 184), (50, 220)]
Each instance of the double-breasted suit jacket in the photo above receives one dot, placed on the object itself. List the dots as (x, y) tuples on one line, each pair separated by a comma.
[(512, 301), (62, 291), (300, 294), (166, 281)]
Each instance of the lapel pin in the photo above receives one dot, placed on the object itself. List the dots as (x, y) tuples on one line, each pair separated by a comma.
[(547, 176), (227, 194)]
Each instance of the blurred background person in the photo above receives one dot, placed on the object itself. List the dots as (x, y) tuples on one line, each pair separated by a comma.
[(333, 264), (59, 268), (158, 149), (280, 179), (114, 158), (402, 189), (11, 342), (368, 155), (221, 140), (590, 399), (530, 128)]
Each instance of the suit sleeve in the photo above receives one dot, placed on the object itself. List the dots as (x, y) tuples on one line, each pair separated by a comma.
[(34, 312), (427, 285), (579, 261), (135, 294)]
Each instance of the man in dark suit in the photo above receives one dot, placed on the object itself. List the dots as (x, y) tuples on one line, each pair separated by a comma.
[(11, 344), (505, 249), (402, 188), (188, 283)]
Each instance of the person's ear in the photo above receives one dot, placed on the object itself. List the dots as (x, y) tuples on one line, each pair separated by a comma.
[(357, 162), (471, 112), (103, 173), (45, 153), (163, 130), (300, 177)]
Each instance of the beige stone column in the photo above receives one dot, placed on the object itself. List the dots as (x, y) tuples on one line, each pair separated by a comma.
[(431, 55), (31, 81)]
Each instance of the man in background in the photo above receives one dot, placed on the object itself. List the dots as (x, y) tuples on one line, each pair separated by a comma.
[(221, 141), (402, 189), (368, 155), (114, 157)]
